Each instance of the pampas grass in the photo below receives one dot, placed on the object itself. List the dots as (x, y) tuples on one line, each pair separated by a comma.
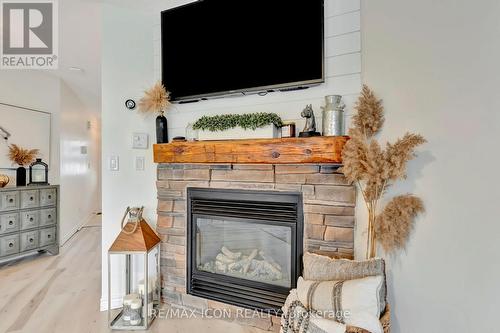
[(155, 100), (394, 225), (21, 156), (369, 117), (374, 169)]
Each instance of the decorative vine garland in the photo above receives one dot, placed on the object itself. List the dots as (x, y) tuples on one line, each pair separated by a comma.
[(246, 121)]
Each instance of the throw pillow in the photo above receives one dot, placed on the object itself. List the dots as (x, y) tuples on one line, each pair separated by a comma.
[(353, 302), (323, 268)]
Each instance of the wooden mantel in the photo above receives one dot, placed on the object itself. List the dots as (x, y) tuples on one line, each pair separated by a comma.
[(321, 149)]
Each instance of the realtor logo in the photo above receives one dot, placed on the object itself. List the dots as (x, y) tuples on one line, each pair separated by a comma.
[(29, 34)]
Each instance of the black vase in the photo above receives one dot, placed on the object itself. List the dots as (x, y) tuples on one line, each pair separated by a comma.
[(161, 129), (21, 176)]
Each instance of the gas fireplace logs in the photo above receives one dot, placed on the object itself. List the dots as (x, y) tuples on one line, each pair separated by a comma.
[(257, 264)]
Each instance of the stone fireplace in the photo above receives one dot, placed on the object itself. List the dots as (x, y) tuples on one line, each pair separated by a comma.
[(324, 203)]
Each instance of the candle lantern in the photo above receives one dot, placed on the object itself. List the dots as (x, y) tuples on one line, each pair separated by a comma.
[(39, 173), (133, 274)]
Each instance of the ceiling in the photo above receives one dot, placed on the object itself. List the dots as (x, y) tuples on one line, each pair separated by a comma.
[(80, 47)]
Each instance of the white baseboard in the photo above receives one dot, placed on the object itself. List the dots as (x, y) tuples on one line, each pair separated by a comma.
[(116, 302), (76, 228)]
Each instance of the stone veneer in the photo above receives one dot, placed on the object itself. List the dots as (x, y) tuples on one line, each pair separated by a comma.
[(328, 216)]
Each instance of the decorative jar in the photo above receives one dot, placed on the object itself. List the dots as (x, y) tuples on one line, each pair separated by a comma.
[(333, 116)]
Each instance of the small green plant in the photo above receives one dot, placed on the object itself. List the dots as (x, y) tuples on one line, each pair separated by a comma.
[(246, 121)]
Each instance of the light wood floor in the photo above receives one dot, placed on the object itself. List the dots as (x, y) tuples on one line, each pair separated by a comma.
[(48, 294)]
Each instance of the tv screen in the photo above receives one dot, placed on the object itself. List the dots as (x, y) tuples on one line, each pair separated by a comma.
[(220, 47)]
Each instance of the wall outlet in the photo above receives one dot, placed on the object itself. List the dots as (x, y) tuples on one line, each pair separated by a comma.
[(140, 140), (114, 163), (139, 163)]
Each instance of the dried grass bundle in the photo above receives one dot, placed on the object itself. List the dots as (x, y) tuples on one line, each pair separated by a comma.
[(394, 225), (372, 168), (155, 100), (21, 156), (369, 118), (398, 154)]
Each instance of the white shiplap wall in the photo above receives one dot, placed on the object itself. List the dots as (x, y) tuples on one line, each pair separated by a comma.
[(342, 71)]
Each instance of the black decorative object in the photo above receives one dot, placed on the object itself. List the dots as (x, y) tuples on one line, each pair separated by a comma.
[(39, 173), (21, 176), (179, 139), (310, 127), (130, 104), (161, 129)]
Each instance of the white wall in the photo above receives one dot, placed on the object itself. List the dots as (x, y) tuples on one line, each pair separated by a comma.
[(79, 171), (37, 90), (435, 64), (127, 70), (131, 63), (342, 71)]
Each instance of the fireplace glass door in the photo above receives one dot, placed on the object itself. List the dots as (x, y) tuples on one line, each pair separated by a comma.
[(255, 250), (244, 247)]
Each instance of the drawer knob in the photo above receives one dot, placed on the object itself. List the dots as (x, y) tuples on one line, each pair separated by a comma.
[(50, 197), (11, 200), (31, 240), (11, 244), (49, 216), (31, 198), (31, 219), (11, 222), (48, 236)]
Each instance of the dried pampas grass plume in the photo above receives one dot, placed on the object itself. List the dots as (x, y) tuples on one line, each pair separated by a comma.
[(398, 154), (155, 100), (394, 225), (369, 118), (373, 168), (354, 156), (21, 156)]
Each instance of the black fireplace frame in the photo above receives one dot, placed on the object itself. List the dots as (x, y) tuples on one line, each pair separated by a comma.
[(235, 291)]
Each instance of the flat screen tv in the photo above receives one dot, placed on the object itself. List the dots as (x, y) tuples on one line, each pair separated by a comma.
[(213, 48)]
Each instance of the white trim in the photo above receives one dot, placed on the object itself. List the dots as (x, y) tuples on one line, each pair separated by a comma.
[(116, 302), (76, 228)]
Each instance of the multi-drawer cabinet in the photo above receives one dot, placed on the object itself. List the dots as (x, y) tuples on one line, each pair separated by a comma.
[(28, 220)]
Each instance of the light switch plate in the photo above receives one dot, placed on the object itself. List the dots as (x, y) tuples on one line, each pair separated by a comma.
[(139, 163), (140, 140), (114, 163)]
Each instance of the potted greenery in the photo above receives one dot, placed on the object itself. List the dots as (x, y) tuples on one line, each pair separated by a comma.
[(237, 126)]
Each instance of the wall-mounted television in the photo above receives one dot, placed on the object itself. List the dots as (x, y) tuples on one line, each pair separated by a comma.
[(214, 48)]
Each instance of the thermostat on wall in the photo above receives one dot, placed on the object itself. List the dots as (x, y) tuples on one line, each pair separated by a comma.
[(140, 141)]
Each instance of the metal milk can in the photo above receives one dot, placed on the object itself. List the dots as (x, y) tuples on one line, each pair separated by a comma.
[(333, 116)]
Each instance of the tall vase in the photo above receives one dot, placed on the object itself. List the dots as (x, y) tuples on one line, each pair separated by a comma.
[(161, 129), (371, 241), (21, 176)]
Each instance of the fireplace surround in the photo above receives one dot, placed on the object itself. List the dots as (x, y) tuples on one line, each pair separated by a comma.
[(328, 203), (244, 247)]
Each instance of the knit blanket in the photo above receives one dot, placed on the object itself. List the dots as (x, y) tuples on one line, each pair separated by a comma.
[(298, 319)]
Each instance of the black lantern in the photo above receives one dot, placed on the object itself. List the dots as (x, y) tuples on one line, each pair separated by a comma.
[(39, 173)]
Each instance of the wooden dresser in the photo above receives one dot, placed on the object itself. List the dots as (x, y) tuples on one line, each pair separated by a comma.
[(29, 220)]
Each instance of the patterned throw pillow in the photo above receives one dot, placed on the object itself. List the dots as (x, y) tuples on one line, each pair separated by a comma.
[(323, 268), (353, 302)]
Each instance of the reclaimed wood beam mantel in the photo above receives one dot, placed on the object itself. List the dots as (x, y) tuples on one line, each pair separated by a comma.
[(321, 149)]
